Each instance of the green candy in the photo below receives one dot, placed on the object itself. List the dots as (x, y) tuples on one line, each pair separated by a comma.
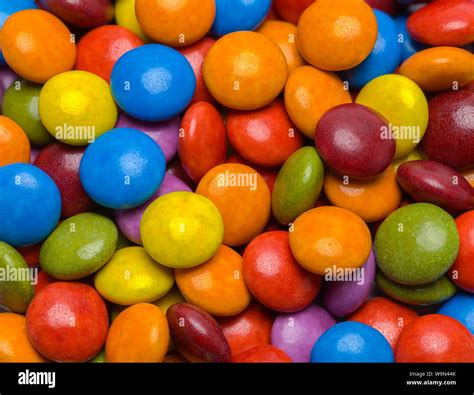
[(416, 244), (20, 103), (298, 185), (417, 295), (79, 246), (16, 280)]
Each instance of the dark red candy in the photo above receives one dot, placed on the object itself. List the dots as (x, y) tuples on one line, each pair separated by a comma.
[(388, 6), (197, 336), (449, 138), (443, 22), (433, 182), (351, 141), (61, 162), (291, 10), (263, 353)]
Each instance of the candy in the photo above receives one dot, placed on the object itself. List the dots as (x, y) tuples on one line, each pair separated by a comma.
[(340, 241), (77, 107), (172, 297), (125, 16), (408, 44), (23, 188), (433, 182), (461, 308), (181, 229), (122, 169), (346, 34), (309, 93), (202, 144), (298, 185), (262, 354), (196, 334), (245, 70), (37, 45), (67, 322), (151, 74), (14, 144), (296, 333), (139, 334), (274, 277), (15, 292), (388, 6), (90, 239), (450, 125), (291, 10), (450, 341), (462, 271), (352, 342)]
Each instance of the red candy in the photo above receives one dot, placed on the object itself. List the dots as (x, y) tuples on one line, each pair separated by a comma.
[(291, 10), (266, 136), (462, 271), (262, 354), (30, 254)]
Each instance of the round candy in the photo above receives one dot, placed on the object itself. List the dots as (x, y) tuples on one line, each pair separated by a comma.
[(388, 6), (61, 162), (37, 45), (266, 136), (291, 10), (309, 93), (416, 244), (139, 334), (296, 333), (29, 196), (237, 15), (346, 33), (152, 74), (100, 48), (388, 317), (262, 354), (132, 277), (352, 342), (245, 70), (371, 199), (461, 308), (14, 143), (67, 322), (462, 271), (435, 338), (350, 140), (273, 275), (20, 103), (122, 169), (125, 16), (128, 221), (451, 124), (224, 292), (84, 232), (77, 107), (340, 241), (171, 298), (402, 103), (243, 199), (173, 23), (408, 45), (182, 229)]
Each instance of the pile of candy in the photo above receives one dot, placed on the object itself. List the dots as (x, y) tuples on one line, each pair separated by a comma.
[(237, 180)]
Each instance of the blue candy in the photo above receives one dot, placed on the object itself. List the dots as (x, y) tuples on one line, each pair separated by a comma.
[(352, 342), (30, 204), (122, 169), (409, 46), (237, 15), (153, 82), (384, 58), (461, 308)]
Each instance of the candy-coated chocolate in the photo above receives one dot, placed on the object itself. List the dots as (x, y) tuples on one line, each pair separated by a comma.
[(14, 144), (462, 271), (171, 298), (263, 353), (461, 308), (291, 10), (409, 46), (388, 6), (125, 16)]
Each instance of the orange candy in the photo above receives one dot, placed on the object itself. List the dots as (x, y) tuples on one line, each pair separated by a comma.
[(371, 199), (309, 93), (283, 34), (243, 199), (217, 286), (37, 45), (175, 23), (139, 334), (327, 236), (337, 34), (14, 144), (469, 175), (245, 70)]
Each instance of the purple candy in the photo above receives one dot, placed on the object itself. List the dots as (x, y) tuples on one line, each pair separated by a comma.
[(296, 333), (128, 221), (7, 76), (34, 153), (165, 133), (341, 298)]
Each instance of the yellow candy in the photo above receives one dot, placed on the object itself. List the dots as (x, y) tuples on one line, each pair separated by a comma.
[(403, 105), (172, 297), (76, 107), (131, 277), (182, 229), (413, 155), (125, 16)]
